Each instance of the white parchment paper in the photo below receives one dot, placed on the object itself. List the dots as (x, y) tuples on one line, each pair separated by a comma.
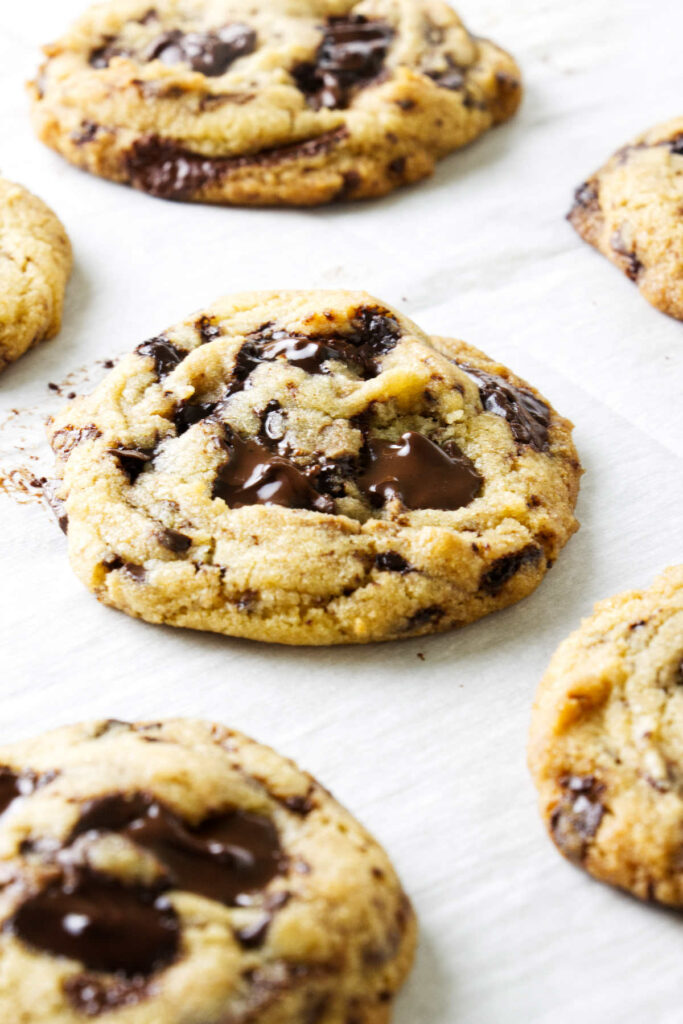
[(429, 753)]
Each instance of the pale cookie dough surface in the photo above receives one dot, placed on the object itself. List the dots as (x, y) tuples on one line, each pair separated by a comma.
[(292, 102), (311, 468), (35, 263), (630, 210), (179, 872), (606, 746)]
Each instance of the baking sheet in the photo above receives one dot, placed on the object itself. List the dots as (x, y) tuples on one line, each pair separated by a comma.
[(430, 753)]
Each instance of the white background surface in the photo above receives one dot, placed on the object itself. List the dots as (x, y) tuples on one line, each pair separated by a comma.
[(430, 754)]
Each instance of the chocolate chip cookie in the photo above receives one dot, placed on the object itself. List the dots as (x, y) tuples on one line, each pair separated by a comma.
[(630, 210), (282, 103), (177, 872), (34, 268), (606, 747), (310, 468)]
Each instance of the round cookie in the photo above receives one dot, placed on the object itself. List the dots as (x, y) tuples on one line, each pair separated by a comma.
[(35, 266), (309, 468), (606, 746), (178, 872), (297, 103), (630, 210)]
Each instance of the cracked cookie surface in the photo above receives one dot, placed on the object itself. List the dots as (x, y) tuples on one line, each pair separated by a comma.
[(35, 263), (175, 872), (630, 210), (310, 468), (606, 745), (289, 103)]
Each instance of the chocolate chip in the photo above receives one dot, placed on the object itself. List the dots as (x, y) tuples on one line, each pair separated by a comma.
[(136, 572), (586, 198), (453, 78), (350, 56), (425, 617), (165, 354), (187, 414), (630, 263), (210, 53), (132, 460), (391, 561), (350, 182), (85, 133), (226, 856), (504, 568), (9, 788), (174, 541), (676, 144), (253, 476), (578, 815), (272, 419), (162, 168), (397, 165), (302, 805), (208, 329), (102, 55), (418, 473), (528, 416)]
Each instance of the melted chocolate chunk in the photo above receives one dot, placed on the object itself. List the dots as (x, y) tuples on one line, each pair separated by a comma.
[(676, 144), (630, 262), (273, 427), (103, 924), (9, 788), (166, 355), (577, 817), (374, 333), (253, 476), (210, 53), (419, 473), (132, 460), (222, 858), (175, 541), (452, 78), (162, 168), (391, 561), (528, 416), (186, 415), (503, 569), (351, 54)]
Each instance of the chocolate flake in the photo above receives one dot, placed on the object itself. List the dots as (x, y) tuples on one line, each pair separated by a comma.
[(630, 263)]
